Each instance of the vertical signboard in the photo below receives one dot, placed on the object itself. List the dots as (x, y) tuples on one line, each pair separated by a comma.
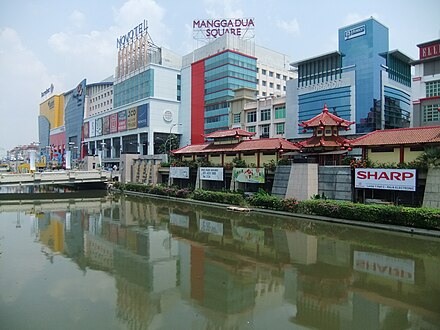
[(143, 115), (106, 125), (92, 131), (98, 126), (114, 123), (122, 121), (132, 118), (86, 130)]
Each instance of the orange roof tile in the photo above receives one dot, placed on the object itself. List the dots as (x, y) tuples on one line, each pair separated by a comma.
[(413, 135), (326, 118), (229, 133), (247, 145)]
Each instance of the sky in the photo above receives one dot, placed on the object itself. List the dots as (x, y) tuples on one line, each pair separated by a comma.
[(62, 42)]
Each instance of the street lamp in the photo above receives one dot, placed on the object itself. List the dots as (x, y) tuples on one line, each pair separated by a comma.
[(169, 136)]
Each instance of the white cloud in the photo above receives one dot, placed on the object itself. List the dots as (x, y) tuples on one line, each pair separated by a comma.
[(24, 76), (290, 27), (77, 18), (352, 18), (223, 8), (134, 12)]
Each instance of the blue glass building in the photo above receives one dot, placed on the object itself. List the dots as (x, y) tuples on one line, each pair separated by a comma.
[(363, 82)]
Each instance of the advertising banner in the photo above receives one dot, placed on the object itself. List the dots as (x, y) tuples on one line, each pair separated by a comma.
[(211, 227), (179, 220), (98, 126), (114, 123), (132, 119), (92, 131), (86, 130), (179, 172), (122, 121), (143, 115), (388, 179), (384, 266), (211, 173), (248, 175), (106, 125)]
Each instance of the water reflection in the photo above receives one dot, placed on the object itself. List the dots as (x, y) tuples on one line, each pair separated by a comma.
[(184, 266)]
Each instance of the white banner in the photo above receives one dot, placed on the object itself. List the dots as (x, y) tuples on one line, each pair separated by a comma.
[(68, 156), (211, 173), (384, 266), (211, 227), (32, 160), (389, 179), (179, 172)]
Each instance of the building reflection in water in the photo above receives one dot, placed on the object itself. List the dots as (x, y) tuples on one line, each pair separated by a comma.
[(184, 266)]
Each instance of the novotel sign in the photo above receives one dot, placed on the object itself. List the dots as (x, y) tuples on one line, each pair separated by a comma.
[(213, 28), (388, 179), (132, 35), (354, 32), (47, 91)]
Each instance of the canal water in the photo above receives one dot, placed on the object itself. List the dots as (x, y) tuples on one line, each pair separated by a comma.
[(146, 263)]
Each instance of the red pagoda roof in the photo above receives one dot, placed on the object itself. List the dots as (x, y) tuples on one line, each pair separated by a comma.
[(325, 141), (326, 118), (235, 132), (413, 135), (275, 144)]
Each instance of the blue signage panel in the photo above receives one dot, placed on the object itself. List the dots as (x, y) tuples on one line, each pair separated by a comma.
[(143, 115)]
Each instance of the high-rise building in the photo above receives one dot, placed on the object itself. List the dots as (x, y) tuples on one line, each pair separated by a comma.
[(212, 73), (363, 81), (426, 85)]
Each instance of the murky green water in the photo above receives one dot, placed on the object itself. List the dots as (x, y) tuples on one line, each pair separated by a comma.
[(136, 263)]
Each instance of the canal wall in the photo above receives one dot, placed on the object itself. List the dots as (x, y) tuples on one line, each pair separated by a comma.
[(431, 197), (335, 182)]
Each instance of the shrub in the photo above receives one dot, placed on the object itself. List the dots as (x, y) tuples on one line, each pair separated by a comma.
[(218, 197)]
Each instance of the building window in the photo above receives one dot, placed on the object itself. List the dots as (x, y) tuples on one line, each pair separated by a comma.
[(264, 93), (280, 112), (433, 88), (263, 82), (236, 118), (284, 77), (263, 71), (265, 114), (279, 128), (251, 129), (252, 117), (278, 86), (270, 74), (264, 130), (430, 113), (271, 85), (278, 76)]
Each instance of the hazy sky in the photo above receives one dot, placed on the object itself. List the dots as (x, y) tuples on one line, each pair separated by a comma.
[(63, 42)]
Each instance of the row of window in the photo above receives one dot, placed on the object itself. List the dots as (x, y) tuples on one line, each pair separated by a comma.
[(264, 84), (264, 130), (271, 73), (99, 97), (433, 88), (265, 114), (431, 113)]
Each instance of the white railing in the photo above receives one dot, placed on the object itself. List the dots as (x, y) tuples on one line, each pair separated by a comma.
[(54, 177)]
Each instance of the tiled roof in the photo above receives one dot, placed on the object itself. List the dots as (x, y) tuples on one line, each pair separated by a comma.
[(229, 133), (326, 118), (247, 145), (324, 141), (399, 136)]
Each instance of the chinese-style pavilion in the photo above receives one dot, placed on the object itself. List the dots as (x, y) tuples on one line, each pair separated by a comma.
[(326, 144)]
